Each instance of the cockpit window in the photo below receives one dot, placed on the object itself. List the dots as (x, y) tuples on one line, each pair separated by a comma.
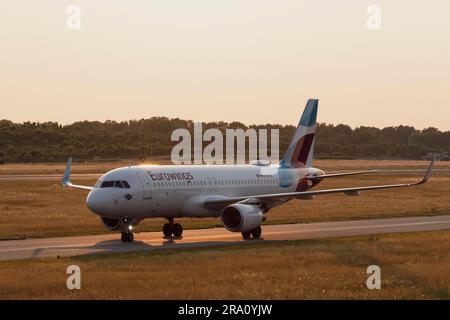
[(107, 184), (126, 184), (112, 184)]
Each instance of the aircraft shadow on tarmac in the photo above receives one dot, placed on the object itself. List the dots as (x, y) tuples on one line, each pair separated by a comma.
[(111, 246), (36, 252)]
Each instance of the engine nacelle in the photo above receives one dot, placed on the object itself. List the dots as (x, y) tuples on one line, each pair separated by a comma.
[(113, 223), (242, 217), (116, 224)]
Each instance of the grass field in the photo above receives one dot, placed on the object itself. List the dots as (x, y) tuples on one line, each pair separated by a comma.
[(413, 266), (43, 208)]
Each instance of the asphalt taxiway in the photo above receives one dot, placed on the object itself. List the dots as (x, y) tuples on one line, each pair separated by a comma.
[(110, 243)]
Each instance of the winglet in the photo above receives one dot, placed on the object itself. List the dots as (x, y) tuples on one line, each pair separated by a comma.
[(65, 181), (429, 171), (66, 178)]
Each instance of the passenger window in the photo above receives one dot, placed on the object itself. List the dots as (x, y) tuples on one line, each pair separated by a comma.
[(107, 184)]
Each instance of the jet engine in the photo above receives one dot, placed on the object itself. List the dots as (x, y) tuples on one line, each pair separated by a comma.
[(242, 217), (114, 224)]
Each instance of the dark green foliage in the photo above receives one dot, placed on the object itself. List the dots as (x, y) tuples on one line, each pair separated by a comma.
[(88, 140)]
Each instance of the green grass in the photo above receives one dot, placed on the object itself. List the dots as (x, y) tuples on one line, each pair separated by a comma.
[(413, 266)]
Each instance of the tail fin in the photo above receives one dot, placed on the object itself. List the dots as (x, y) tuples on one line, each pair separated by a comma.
[(301, 148)]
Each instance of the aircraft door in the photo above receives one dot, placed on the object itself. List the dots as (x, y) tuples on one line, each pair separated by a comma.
[(146, 185)]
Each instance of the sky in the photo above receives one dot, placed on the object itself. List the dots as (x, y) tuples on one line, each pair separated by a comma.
[(254, 61)]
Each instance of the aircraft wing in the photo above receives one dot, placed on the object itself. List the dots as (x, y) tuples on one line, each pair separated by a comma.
[(65, 181), (218, 204), (340, 174)]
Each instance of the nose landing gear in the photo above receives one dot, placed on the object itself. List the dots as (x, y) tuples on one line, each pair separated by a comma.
[(127, 234), (127, 237), (171, 228)]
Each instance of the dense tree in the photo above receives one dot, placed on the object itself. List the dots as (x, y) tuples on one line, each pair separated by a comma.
[(87, 140)]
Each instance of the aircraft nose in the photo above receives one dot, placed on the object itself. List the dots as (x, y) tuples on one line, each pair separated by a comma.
[(93, 202)]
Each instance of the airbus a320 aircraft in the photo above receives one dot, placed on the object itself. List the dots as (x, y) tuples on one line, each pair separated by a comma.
[(241, 195)]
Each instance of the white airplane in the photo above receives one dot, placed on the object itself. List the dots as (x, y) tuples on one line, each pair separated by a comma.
[(240, 194)]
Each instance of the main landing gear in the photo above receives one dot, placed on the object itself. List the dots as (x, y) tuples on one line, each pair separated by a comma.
[(172, 229), (255, 233)]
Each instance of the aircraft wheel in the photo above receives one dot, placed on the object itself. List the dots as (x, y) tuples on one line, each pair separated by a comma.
[(167, 229), (127, 237), (177, 230), (246, 235), (256, 233)]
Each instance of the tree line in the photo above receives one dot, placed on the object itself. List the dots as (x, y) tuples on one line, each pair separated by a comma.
[(94, 140)]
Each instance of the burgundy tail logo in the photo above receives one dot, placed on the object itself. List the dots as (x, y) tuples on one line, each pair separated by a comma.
[(301, 152)]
